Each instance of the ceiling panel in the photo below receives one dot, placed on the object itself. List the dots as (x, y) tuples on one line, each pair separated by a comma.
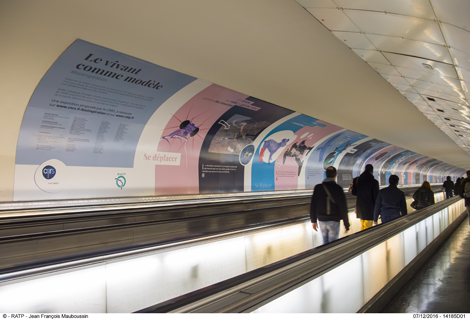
[(456, 38), (453, 11), (424, 75), (405, 88), (420, 103), (426, 111), (461, 118), (333, 19), (420, 86), (415, 8), (465, 75), (396, 80), (445, 104), (449, 107), (439, 69), (411, 96), (461, 58), (371, 56), (452, 115), (438, 81), (384, 69), (396, 26), (317, 3), (463, 124), (355, 40), (411, 47), (425, 84), (438, 94)]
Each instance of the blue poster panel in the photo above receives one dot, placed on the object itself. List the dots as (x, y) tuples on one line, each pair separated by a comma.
[(91, 106)]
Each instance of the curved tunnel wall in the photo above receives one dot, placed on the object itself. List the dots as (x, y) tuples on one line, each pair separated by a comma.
[(104, 124)]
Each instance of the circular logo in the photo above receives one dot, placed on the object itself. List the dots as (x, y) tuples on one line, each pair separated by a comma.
[(48, 172), (120, 181), (247, 154)]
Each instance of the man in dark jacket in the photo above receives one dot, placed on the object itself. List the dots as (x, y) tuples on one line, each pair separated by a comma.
[(390, 202), (466, 193), (449, 187), (366, 188), (328, 207)]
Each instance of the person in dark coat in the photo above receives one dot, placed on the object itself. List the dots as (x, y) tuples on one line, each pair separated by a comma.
[(424, 196), (449, 187), (390, 202), (458, 187), (328, 207), (465, 191), (366, 188)]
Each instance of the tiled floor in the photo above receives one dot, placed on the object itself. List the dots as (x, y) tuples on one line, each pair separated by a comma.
[(442, 285)]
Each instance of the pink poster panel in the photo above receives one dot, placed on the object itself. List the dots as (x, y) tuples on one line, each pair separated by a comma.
[(185, 133)]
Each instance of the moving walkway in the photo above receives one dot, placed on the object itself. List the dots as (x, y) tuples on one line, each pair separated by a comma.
[(155, 273)]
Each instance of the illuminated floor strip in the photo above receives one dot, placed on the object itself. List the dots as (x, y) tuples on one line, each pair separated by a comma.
[(358, 280), (441, 286)]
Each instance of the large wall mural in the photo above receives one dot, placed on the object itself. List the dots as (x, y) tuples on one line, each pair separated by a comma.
[(105, 124)]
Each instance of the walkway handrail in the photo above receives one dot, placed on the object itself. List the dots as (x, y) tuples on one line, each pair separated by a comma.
[(76, 206)]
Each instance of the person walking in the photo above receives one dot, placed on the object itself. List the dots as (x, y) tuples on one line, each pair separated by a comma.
[(424, 196), (390, 202), (449, 187), (458, 187), (466, 194), (366, 188), (328, 207)]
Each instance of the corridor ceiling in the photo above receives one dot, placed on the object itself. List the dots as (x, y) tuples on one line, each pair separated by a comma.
[(421, 47)]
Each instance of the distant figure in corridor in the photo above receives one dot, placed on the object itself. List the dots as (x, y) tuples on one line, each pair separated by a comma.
[(328, 207), (449, 187), (424, 196), (366, 188), (390, 202), (458, 187), (466, 193)]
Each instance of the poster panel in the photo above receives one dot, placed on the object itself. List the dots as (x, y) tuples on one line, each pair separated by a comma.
[(87, 113), (387, 167), (401, 166), (353, 164), (283, 151), (91, 106), (411, 169), (330, 152), (230, 145)]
